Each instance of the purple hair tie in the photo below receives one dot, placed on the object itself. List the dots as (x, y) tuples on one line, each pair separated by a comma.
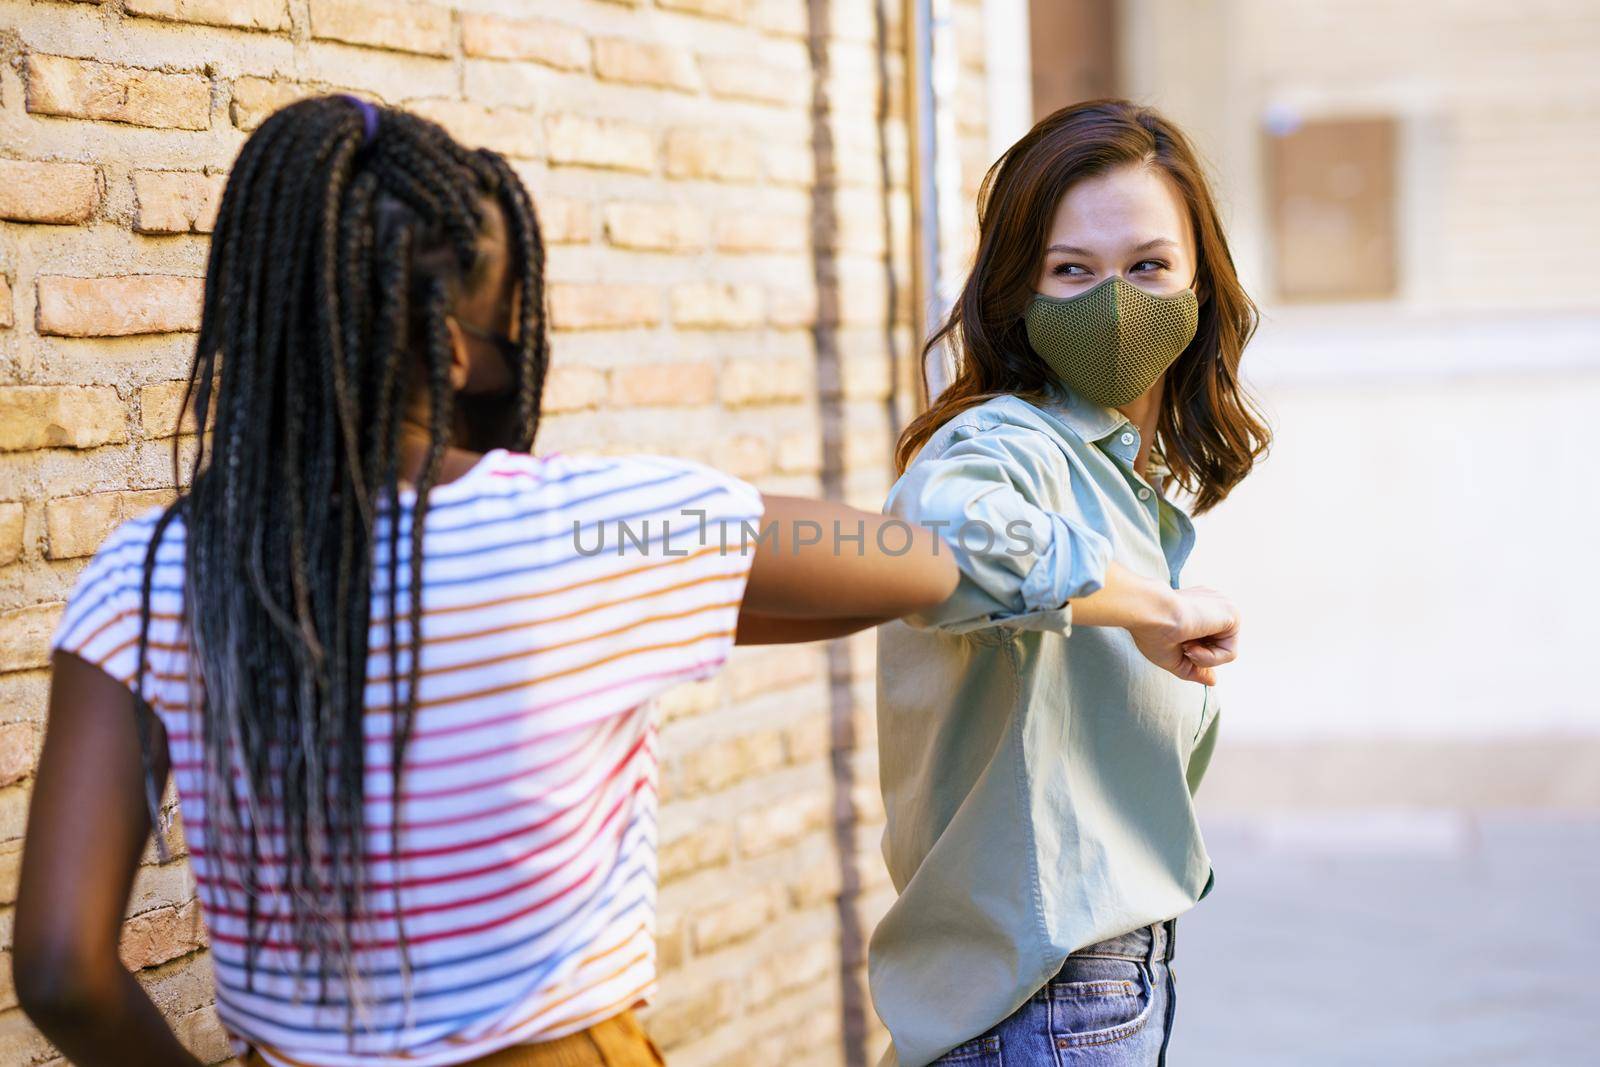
[(369, 117)]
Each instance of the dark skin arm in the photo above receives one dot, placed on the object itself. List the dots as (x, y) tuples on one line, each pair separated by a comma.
[(806, 586), (770, 630), (87, 827)]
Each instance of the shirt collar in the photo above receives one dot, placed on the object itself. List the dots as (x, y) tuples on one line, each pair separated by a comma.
[(1089, 421)]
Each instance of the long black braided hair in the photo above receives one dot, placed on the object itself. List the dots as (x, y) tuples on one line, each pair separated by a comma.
[(345, 235)]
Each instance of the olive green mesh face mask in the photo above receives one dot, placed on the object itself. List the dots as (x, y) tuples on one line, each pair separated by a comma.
[(1110, 344)]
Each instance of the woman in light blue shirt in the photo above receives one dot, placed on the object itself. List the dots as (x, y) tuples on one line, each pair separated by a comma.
[(1042, 733)]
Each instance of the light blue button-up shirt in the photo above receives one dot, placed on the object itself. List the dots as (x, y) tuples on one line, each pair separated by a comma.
[(1038, 778)]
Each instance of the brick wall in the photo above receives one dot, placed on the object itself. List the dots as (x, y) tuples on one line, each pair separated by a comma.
[(729, 275)]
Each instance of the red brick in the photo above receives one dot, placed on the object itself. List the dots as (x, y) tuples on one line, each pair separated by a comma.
[(640, 63), (799, 453), (254, 99), (793, 305), (203, 1034), (761, 231), (10, 865), (511, 133), (671, 941), (771, 827), (791, 164), (713, 767), (866, 446), (676, 1022), (765, 381), (692, 152), (161, 935), (581, 306), (716, 305), (180, 986), (563, 220), (136, 501), (160, 885), (158, 410), (85, 89), (241, 14), (12, 516), (719, 9), (702, 847), (611, 143), (865, 376), (663, 384), (859, 222), (748, 79), (568, 388), (32, 191), (119, 306), (175, 201), (743, 456), (796, 968), (403, 27), (737, 919), (864, 297), (807, 740), (25, 637), (75, 525), (772, 671), (19, 743), (655, 226), (688, 699), (60, 417), (783, 18), (13, 807), (552, 43)]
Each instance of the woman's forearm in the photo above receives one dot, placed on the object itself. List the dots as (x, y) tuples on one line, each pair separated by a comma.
[(772, 630), (1189, 632), (109, 1020), (821, 560), (1127, 600), (87, 826)]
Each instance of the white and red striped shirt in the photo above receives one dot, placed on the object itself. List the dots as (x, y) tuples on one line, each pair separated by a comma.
[(526, 873)]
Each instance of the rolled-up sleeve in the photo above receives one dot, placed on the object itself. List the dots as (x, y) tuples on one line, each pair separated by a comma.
[(1020, 563)]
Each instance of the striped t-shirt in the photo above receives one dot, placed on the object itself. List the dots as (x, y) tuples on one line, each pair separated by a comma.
[(560, 595)]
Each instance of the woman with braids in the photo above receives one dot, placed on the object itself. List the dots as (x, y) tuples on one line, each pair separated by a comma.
[(399, 667), (1042, 731)]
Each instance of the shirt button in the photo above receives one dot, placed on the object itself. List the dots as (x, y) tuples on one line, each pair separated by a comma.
[(1127, 438), (1144, 494)]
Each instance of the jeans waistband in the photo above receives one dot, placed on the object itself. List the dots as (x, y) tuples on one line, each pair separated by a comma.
[(1151, 943)]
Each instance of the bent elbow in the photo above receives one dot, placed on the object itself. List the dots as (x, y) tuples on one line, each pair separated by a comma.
[(55, 988), (935, 586)]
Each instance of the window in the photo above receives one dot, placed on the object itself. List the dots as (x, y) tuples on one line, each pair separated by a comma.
[(1331, 188)]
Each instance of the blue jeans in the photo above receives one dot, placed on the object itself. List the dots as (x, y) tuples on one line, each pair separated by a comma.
[(1111, 1005)]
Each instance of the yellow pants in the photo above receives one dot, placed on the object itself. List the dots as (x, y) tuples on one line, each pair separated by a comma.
[(618, 1042)]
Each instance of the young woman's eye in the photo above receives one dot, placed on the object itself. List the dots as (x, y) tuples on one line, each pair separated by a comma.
[(1069, 270), (1148, 265)]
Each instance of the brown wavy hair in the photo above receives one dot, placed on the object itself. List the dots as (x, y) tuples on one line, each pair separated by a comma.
[(1210, 432)]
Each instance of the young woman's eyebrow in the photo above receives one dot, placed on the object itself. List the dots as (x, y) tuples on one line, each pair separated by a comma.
[(1154, 242)]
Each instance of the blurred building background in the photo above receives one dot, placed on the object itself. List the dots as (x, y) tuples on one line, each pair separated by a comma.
[(753, 207)]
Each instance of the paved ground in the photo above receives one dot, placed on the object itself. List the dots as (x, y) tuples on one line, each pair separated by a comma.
[(1421, 939)]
